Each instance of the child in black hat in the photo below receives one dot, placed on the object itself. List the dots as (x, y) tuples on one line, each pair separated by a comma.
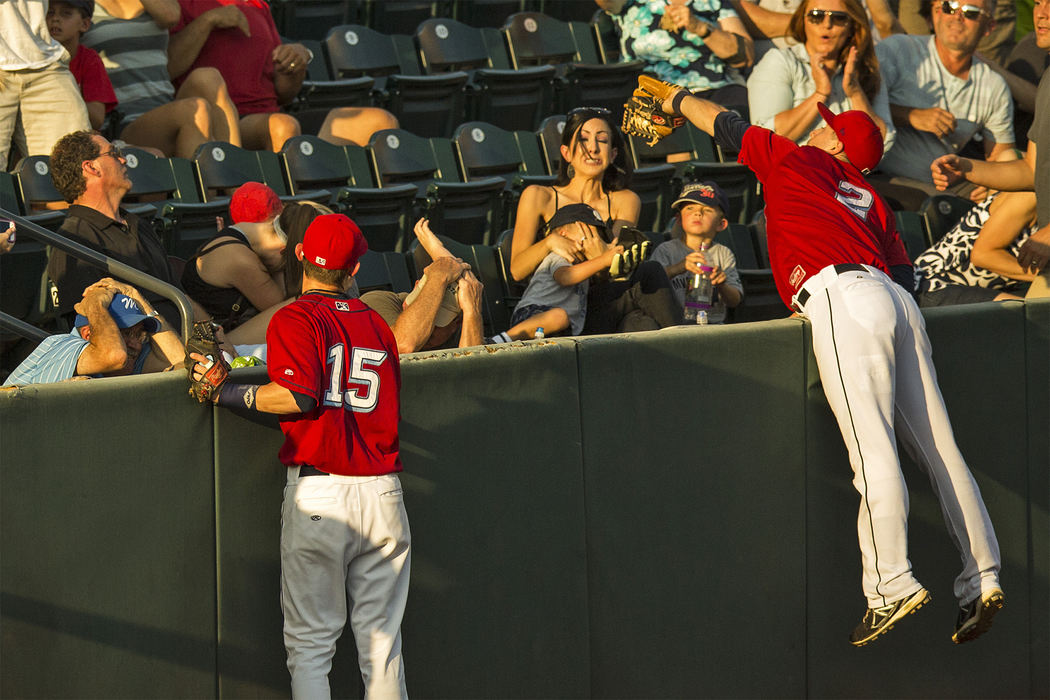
[(556, 298), (701, 211)]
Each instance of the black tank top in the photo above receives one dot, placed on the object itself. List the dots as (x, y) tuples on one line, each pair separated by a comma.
[(227, 305)]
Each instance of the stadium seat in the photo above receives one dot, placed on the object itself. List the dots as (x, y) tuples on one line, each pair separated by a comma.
[(484, 262), (486, 13), (912, 231), (320, 92), (403, 16), (11, 200), (310, 19), (465, 211), (685, 139), (606, 36), (169, 185), (654, 186), (483, 150), (383, 270), (534, 38), (549, 135), (761, 299), (512, 289), (511, 99), (428, 105), (384, 215), (35, 188), (940, 213), (567, 10)]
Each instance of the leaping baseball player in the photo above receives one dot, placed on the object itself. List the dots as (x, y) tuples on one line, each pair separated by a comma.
[(336, 382), (835, 253)]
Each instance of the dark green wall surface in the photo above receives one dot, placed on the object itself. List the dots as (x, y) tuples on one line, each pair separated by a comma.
[(663, 514)]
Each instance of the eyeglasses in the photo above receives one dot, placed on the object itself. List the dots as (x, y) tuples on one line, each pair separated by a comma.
[(114, 151), (970, 12), (838, 18)]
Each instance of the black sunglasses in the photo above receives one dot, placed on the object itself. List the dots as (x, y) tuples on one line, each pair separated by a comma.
[(970, 12), (838, 18)]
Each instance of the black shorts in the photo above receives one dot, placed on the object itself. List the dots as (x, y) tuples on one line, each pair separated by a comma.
[(956, 294)]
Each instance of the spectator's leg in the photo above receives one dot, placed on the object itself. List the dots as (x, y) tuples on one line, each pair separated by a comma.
[(209, 84), (10, 93), (49, 106), (551, 321), (345, 125), (268, 131), (176, 128)]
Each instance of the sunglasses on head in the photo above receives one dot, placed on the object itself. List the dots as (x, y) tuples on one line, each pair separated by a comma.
[(970, 12), (597, 111), (838, 18)]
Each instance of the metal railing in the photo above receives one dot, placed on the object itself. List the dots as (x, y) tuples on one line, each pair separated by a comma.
[(114, 268)]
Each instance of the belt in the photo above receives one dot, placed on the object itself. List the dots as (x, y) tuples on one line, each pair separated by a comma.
[(307, 470), (842, 268)]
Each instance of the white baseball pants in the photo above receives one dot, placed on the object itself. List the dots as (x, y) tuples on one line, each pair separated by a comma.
[(344, 536), (871, 348)]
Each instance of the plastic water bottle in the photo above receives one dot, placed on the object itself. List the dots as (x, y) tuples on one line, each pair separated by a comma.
[(701, 318), (698, 298), (539, 333), (717, 314)]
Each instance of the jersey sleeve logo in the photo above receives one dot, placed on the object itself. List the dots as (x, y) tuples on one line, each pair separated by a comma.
[(342, 306), (857, 199), (359, 391)]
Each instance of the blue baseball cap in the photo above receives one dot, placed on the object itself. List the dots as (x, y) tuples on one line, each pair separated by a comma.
[(126, 313)]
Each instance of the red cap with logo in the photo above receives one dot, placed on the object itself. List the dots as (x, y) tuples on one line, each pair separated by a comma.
[(254, 202), (334, 242), (860, 138)]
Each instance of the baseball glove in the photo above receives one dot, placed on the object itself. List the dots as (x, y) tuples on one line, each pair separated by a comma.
[(636, 249), (202, 341), (643, 113)]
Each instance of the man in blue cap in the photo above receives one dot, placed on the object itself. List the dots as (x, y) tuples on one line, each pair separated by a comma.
[(116, 333)]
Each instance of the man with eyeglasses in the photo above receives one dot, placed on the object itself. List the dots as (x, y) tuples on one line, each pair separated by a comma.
[(91, 174), (1033, 172), (943, 100)]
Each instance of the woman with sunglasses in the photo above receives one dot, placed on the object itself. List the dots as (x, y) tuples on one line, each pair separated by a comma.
[(594, 171), (834, 63)]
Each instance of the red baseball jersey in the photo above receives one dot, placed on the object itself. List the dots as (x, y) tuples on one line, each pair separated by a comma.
[(820, 211), (342, 354)]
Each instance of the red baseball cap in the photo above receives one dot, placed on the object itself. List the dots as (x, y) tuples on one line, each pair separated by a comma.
[(334, 242), (860, 138), (254, 202)]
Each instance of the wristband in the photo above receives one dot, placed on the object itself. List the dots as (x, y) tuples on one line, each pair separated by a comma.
[(676, 101), (237, 396)]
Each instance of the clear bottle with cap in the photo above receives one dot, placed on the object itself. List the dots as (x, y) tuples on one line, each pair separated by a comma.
[(699, 293), (539, 333)]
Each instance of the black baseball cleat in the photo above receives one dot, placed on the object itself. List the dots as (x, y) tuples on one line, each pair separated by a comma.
[(976, 617), (877, 621)]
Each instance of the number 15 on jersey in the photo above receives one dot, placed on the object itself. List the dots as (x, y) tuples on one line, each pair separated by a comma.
[(361, 393)]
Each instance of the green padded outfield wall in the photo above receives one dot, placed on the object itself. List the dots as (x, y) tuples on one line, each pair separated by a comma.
[(663, 514)]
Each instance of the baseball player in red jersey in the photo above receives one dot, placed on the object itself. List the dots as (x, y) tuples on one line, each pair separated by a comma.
[(336, 382), (833, 247)]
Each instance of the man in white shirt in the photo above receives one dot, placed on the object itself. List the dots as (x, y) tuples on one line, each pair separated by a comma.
[(39, 99)]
